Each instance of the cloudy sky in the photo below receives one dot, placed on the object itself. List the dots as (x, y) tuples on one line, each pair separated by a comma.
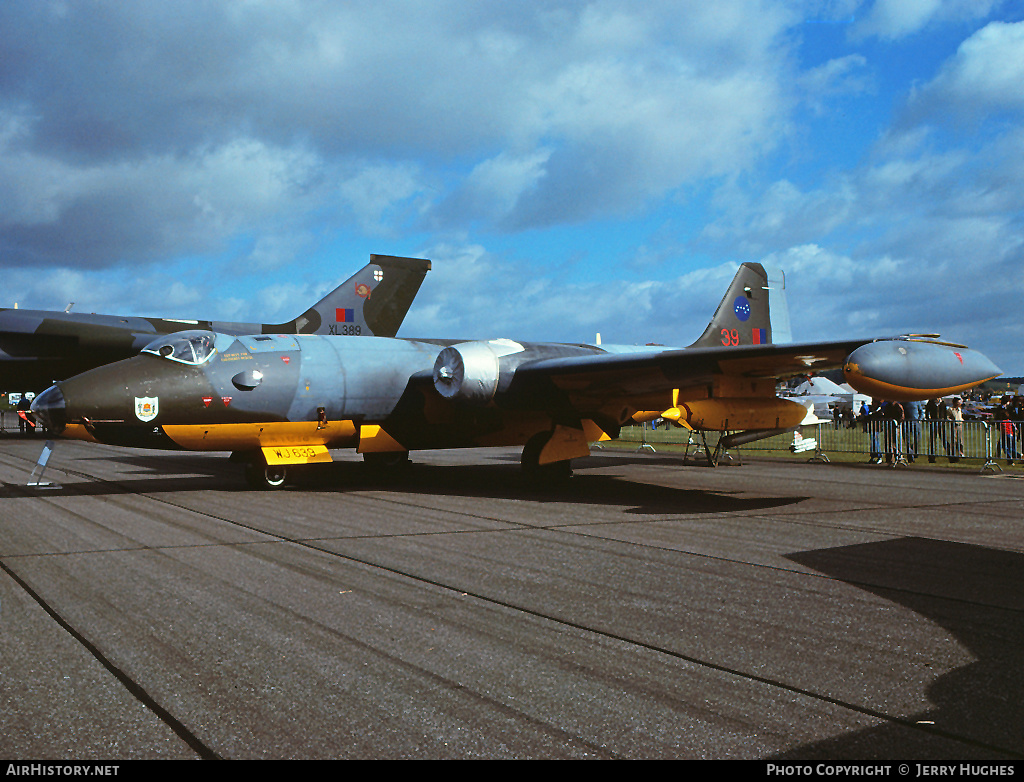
[(569, 167)]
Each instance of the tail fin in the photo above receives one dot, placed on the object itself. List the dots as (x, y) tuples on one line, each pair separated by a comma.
[(753, 312), (373, 302)]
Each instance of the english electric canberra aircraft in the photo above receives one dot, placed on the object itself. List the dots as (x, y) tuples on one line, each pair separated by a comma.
[(278, 400), (38, 347)]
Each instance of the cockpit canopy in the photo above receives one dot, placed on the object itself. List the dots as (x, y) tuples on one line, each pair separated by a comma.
[(186, 347)]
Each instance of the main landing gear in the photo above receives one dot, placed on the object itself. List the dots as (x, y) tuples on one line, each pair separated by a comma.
[(388, 460), (552, 472)]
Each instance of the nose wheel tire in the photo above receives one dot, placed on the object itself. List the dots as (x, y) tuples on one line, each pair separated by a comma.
[(266, 476)]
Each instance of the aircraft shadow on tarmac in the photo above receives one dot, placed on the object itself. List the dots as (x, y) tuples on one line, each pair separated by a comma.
[(975, 593), (496, 479)]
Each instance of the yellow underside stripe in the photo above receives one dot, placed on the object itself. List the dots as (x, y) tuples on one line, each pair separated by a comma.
[(243, 437), (880, 390)]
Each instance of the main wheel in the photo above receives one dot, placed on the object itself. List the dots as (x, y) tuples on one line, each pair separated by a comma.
[(389, 460), (530, 461)]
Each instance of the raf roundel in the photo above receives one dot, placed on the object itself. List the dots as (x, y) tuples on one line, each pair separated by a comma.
[(742, 308)]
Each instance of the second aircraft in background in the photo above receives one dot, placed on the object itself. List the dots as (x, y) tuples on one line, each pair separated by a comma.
[(38, 347)]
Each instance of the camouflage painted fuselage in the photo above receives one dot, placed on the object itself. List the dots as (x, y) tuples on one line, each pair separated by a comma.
[(262, 391)]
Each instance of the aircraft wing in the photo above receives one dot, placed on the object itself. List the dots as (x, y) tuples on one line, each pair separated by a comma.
[(893, 368), (35, 334), (636, 377), (18, 338)]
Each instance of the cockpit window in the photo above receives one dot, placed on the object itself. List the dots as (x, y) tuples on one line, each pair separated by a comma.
[(188, 347)]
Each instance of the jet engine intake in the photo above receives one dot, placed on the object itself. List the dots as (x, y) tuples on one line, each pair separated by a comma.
[(468, 372)]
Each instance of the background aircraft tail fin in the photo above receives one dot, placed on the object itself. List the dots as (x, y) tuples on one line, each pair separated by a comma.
[(753, 311), (372, 302)]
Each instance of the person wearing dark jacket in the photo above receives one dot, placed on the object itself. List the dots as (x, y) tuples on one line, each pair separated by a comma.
[(23, 407), (872, 418), (893, 415)]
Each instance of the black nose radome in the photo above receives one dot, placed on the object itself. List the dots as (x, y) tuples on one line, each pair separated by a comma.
[(48, 408)]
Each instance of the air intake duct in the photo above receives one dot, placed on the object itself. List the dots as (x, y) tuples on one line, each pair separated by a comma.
[(468, 372)]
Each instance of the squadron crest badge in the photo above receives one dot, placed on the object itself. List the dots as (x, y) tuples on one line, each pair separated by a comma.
[(147, 407)]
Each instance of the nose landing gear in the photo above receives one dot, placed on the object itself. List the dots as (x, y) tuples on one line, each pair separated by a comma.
[(265, 476)]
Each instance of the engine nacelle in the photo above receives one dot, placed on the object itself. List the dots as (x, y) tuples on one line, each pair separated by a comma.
[(469, 372)]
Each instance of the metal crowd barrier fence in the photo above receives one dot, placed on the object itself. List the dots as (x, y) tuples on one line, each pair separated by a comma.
[(12, 423), (8, 421), (938, 441)]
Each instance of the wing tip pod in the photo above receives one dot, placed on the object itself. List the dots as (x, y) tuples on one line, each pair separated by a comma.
[(908, 369)]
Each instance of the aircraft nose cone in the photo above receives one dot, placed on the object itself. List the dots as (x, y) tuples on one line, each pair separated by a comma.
[(50, 410)]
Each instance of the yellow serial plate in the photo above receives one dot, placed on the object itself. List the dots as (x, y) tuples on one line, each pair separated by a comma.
[(296, 454)]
